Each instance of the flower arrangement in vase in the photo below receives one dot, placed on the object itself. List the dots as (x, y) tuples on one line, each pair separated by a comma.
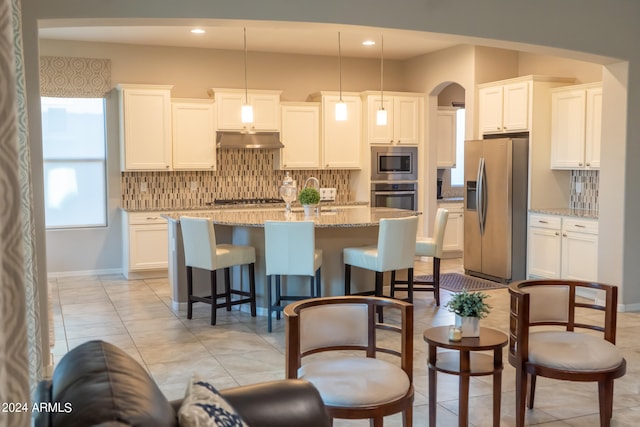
[(469, 308), (309, 198)]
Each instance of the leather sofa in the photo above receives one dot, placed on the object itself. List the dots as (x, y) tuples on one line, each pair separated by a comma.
[(97, 383)]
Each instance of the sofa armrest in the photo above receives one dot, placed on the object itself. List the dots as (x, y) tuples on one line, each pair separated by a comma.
[(283, 403), (42, 395)]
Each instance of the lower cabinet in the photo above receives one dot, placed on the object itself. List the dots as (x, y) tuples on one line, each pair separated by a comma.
[(562, 247), (453, 243), (145, 252)]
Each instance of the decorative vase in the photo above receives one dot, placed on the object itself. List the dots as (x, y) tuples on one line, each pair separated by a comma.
[(309, 210), (470, 326)]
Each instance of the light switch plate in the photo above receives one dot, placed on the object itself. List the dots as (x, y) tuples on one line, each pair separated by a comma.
[(327, 194)]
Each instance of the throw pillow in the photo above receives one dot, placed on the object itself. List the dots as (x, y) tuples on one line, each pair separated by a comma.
[(204, 407)]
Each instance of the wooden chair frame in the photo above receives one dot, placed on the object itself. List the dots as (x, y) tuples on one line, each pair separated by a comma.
[(519, 327), (294, 355)]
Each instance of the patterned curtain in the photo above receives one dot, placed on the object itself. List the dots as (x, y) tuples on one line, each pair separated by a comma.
[(20, 345)]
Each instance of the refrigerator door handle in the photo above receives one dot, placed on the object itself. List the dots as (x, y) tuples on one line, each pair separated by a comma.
[(483, 196), (479, 195)]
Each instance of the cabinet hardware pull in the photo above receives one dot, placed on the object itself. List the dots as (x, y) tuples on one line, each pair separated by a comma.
[(557, 234), (543, 222), (152, 217), (579, 225), (579, 164), (564, 234), (588, 164), (498, 128)]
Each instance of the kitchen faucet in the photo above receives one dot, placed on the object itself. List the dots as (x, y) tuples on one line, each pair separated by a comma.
[(313, 179)]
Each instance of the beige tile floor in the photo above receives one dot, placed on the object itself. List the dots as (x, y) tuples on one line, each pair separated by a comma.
[(136, 315)]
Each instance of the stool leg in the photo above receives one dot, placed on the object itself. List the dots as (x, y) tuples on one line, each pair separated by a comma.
[(318, 281), (347, 279), (269, 304), (393, 284), (378, 293), (436, 280), (252, 288), (278, 295), (189, 292), (409, 285), (214, 297), (227, 287)]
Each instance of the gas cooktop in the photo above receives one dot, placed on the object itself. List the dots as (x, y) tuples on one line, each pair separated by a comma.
[(246, 201)]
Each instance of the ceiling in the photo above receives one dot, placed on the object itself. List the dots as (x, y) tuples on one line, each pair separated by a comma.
[(262, 36)]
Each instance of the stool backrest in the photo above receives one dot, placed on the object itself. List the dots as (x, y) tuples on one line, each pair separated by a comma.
[(289, 247), (442, 215), (397, 243), (199, 241)]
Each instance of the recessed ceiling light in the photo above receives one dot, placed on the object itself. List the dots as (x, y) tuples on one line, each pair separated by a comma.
[(368, 43), (197, 31)]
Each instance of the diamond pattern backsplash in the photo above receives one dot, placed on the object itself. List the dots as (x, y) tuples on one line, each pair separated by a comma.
[(240, 174)]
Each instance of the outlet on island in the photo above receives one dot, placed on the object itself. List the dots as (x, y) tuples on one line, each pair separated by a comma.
[(327, 194)]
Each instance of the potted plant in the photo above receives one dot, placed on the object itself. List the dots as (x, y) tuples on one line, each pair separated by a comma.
[(309, 198), (469, 308)]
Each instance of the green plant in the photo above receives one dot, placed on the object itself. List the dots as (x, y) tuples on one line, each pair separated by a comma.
[(309, 196), (469, 304)]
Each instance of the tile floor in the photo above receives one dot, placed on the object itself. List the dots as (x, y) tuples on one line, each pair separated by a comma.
[(136, 315)]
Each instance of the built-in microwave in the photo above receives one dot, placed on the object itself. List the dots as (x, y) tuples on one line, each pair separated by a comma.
[(394, 163)]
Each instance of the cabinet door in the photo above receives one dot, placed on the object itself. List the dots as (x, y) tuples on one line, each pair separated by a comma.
[(146, 129), (266, 111), (567, 129), (454, 232), (228, 110), (380, 134), (544, 252), (446, 138), (148, 247), (341, 143), (194, 141), (515, 115), (490, 114), (301, 137), (407, 113), (579, 256), (593, 132)]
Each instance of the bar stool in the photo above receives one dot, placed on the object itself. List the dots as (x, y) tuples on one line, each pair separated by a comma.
[(395, 250), (201, 251), (431, 247), (290, 250)]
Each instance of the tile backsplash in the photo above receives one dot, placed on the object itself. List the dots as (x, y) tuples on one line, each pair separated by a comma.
[(240, 174), (584, 189)]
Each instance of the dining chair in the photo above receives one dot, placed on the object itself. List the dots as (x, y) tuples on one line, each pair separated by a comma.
[(544, 318), (430, 247), (290, 251), (363, 369), (201, 251)]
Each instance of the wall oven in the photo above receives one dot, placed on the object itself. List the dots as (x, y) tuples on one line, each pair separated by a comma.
[(401, 195), (394, 163)]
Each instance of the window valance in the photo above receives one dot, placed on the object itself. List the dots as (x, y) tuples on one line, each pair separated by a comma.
[(74, 77)]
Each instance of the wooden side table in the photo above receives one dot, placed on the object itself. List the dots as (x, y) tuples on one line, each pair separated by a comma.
[(465, 364)]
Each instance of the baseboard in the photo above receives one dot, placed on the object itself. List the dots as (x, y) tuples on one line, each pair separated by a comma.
[(59, 274)]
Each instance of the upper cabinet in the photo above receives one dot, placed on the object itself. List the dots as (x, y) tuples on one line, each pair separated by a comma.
[(145, 127), (576, 118), (446, 137), (194, 139), (404, 118), (341, 139), (265, 103), (300, 136), (504, 108)]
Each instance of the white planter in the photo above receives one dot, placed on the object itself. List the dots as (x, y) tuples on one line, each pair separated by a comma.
[(309, 210), (470, 326)]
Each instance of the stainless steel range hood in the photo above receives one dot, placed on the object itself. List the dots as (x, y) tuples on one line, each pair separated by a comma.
[(237, 139)]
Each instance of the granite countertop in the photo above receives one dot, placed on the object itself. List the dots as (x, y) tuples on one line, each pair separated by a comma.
[(356, 216), (209, 208), (451, 200), (581, 213)]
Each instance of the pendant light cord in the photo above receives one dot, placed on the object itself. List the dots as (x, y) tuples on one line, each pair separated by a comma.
[(246, 91), (381, 72), (340, 65)]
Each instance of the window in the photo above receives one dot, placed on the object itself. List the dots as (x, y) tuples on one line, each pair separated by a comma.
[(457, 173), (74, 152)]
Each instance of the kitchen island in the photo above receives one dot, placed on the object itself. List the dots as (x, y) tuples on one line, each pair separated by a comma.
[(336, 228)]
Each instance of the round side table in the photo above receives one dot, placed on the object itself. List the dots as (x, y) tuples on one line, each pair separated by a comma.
[(465, 364)]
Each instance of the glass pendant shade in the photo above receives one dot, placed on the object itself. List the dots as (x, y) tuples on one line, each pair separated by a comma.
[(247, 114), (341, 111), (381, 117)]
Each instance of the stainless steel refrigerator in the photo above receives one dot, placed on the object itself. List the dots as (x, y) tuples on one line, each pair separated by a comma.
[(495, 215)]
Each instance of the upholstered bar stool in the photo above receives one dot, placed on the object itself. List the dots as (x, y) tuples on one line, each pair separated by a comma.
[(395, 250), (201, 251), (431, 247), (290, 251)]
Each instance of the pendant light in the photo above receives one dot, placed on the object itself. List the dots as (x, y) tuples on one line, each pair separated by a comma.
[(341, 107), (381, 115), (247, 109)]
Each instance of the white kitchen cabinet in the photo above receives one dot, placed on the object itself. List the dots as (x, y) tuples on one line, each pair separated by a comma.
[(300, 136), (404, 118), (145, 127), (576, 117), (194, 137), (229, 102), (341, 140), (453, 242), (562, 247), (504, 107), (145, 252), (446, 137)]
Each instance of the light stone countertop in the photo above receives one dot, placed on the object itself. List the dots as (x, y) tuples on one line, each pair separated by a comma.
[(354, 216), (581, 213)]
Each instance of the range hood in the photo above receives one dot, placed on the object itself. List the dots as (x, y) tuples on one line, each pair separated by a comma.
[(237, 139)]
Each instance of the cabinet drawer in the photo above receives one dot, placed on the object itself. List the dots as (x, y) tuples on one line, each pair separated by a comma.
[(146, 218), (578, 225), (545, 221)]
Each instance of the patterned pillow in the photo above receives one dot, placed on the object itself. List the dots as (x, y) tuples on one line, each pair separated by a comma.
[(204, 407)]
